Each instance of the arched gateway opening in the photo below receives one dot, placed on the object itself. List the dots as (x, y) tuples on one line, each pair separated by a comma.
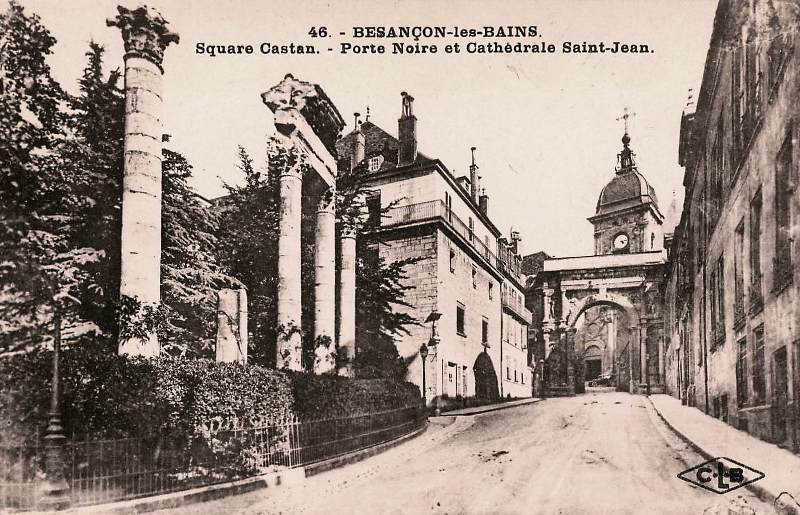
[(603, 329), (485, 378)]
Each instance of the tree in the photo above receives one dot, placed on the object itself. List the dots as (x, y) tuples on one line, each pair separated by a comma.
[(190, 273), (40, 267), (249, 233)]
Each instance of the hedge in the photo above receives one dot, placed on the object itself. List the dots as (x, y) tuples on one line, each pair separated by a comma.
[(109, 396)]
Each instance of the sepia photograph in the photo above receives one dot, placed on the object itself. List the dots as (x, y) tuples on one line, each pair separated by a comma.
[(400, 257)]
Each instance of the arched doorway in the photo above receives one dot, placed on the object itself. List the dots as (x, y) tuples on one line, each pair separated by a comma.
[(485, 377)]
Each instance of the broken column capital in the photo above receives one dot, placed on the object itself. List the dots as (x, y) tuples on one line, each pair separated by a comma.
[(144, 33), (313, 105)]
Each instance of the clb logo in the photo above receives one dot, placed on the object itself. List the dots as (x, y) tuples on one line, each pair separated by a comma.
[(721, 475)]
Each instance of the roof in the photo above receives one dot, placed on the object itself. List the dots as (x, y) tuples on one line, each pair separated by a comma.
[(628, 188), (625, 190), (376, 142)]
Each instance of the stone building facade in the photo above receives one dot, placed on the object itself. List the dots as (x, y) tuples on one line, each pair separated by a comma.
[(733, 316), (465, 273)]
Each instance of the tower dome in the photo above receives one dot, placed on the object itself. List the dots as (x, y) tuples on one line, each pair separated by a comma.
[(628, 188)]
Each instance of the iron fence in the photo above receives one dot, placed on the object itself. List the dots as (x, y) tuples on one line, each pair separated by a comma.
[(99, 471)]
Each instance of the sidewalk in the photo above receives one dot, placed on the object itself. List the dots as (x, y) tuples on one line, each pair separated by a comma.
[(488, 407), (714, 438)]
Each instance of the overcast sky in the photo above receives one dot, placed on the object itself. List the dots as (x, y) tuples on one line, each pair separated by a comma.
[(545, 125)]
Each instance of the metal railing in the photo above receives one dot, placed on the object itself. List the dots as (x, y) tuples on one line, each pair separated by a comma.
[(99, 471), (436, 209), (517, 305)]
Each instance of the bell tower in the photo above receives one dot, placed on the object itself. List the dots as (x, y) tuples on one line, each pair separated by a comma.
[(627, 218)]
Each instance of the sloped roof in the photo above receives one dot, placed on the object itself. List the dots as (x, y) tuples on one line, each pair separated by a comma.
[(376, 142)]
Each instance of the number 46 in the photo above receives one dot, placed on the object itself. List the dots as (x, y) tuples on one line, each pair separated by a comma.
[(321, 32)]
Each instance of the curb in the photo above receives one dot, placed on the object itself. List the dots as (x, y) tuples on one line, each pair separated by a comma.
[(760, 492), (487, 409), (240, 486)]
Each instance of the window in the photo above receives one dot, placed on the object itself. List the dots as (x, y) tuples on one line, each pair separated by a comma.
[(776, 57), (756, 299), (460, 314), (738, 276), (491, 290), (484, 331), (522, 378), (373, 202), (783, 214), (717, 169), (515, 375), (474, 277), (471, 230), (741, 373), (759, 383), (452, 261), (652, 241), (508, 373), (375, 163), (448, 205), (718, 303)]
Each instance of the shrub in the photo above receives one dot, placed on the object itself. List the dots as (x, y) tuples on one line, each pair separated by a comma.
[(108, 396), (327, 396)]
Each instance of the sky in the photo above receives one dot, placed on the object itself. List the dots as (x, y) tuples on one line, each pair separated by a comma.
[(545, 125)]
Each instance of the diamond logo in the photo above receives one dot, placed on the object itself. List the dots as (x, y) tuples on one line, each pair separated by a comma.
[(721, 475)]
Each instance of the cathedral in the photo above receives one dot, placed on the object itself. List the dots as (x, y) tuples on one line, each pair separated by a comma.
[(597, 319)]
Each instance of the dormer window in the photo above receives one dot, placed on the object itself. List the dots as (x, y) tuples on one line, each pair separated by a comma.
[(375, 163)]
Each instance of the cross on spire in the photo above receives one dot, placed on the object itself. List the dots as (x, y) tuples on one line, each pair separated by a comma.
[(625, 117)]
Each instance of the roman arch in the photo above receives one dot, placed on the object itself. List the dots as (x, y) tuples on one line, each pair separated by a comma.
[(612, 303)]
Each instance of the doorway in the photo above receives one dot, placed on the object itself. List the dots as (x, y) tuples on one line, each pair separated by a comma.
[(780, 395)]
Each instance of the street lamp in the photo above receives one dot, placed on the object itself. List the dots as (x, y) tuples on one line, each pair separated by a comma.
[(647, 371), (56, 491), (423, 353), (433, 342)]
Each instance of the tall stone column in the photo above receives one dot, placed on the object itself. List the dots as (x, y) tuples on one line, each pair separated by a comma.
[(289, 344), (325, 282), (347, 297), (145, 37)]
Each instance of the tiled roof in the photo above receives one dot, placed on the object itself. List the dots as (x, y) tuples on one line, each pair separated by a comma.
[(377, 142)]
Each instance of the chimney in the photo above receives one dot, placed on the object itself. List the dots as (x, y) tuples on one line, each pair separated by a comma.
[(407, 132), (515, 239), (474, 178), (359, 144), (483, 203)]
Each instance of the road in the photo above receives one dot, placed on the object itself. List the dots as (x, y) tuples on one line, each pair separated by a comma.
[(598, 453)]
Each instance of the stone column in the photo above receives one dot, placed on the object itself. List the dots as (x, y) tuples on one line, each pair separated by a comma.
[(289, 345), (347, 297), (232, 325), (633, 348), (145, 37), (325, 283), (643, 352)]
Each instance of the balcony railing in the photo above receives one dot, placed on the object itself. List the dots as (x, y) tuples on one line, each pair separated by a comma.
[(517, 306), (436, 209)]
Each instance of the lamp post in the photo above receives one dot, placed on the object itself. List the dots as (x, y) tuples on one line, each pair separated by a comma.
[(423, 353), (433, 343), (647, 371), (56, 491)]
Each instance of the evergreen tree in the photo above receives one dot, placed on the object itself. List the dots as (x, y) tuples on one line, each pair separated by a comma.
[(40, 268), (190, 274)]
